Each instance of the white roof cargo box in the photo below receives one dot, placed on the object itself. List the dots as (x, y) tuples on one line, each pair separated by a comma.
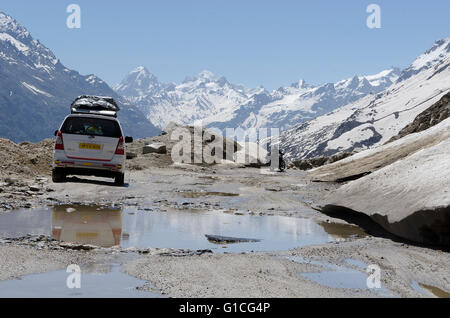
[(98, 105)]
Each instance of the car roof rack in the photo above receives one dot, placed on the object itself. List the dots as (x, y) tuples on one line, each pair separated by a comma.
[(94, 105), (94, 112)]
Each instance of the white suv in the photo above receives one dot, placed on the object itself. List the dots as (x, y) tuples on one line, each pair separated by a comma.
[(91, 145)]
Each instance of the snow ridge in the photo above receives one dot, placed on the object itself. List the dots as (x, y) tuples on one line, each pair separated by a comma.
[(374, 119), (216, 102)]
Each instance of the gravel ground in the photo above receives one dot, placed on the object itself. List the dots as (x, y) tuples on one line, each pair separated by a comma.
[(17, 261)]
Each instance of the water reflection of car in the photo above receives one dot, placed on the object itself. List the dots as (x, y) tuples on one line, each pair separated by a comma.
[(87, 225)]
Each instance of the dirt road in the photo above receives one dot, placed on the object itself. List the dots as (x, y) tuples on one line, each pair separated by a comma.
[(238, 192)]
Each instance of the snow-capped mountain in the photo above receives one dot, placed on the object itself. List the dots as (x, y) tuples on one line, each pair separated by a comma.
[(205, 97), (139, 82), (218, 103), (374, 119), (36, 90)]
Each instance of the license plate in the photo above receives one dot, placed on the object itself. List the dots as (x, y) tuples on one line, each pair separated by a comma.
[(84, 235), (90, 146)]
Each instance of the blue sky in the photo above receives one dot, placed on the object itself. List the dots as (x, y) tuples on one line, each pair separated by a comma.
[(251, 42)]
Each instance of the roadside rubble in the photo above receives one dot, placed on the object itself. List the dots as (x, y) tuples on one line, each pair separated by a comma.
[(308, 164), (18, 193), (42, 242), (25, 160)]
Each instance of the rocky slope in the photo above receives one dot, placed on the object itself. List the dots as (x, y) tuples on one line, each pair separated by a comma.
[(218, 103), (36, 89), (375, 119), (371, 160), (429, 118)]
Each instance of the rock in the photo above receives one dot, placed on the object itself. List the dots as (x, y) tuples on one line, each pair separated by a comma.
[(35, 188), (273, 189), (158, 147), (225, 239), (77, 247), (131, 155), (11, 181)]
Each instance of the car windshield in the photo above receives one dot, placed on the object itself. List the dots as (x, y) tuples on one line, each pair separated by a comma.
[(91, 127)]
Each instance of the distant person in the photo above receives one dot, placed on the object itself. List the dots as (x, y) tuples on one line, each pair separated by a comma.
[(281, 162)]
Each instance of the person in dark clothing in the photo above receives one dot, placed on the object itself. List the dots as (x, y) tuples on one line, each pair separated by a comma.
[(281, 162)]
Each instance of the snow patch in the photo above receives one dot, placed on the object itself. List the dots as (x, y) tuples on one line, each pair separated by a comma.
[(17, 44), (35, 90)]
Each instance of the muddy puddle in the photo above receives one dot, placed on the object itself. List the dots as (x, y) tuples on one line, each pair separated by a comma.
[(352, 276), (429, 290), (338, 230), (181, 229), (96, 281)]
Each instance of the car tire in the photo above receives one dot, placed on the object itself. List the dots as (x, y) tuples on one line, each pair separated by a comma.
[(119, 179), (58, 175)]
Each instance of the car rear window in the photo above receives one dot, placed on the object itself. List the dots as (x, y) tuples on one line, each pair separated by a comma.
[(91, 127)]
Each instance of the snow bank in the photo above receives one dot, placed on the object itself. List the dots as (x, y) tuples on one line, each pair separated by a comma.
[(410, 198), (370, 160)]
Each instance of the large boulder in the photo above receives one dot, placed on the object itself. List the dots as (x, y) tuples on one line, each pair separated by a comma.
[(203, 140), (157, 147)]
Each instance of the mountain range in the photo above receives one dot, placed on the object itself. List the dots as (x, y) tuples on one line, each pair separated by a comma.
[(36, 89), (350, 115), (375, 119), (215, 102)]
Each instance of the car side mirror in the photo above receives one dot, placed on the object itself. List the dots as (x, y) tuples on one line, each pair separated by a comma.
[(128, 140), (56, 133)]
